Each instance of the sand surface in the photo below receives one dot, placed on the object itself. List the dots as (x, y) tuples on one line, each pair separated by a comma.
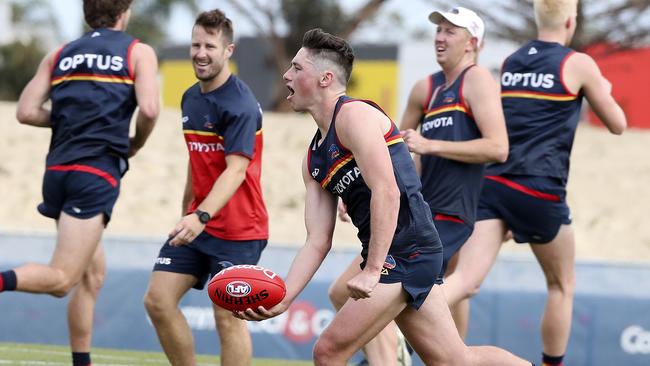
[(609, 185)]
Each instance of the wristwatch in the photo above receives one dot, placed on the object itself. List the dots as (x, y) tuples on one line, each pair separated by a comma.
[(204, 217)]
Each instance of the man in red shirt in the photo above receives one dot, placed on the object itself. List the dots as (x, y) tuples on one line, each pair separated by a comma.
[(224, 219)]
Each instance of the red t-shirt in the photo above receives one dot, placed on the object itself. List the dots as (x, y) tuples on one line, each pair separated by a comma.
[(227, 120)]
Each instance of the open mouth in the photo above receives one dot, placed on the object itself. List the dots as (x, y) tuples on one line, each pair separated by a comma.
[(201, 63), (291, 92)]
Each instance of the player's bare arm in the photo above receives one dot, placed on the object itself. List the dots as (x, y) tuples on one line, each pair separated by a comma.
[(343, 212), (414, 112), (320, 219), (361, 129), (188, 194), (189, 227), (482, 98), (30, 110), (482, 95), (582, 72), (145, 66)]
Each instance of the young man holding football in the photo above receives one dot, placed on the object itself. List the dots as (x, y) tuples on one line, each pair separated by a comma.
[(358, 154), (224, 220)]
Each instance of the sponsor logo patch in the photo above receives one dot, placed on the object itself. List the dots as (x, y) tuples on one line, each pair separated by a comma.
[(91, 61), (163, 260), (536, 80), (238, 288)]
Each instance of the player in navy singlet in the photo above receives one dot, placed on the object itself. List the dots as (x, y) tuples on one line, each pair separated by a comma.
[(94, 84), (462, 127), (224, 220), (357, 154), (542, 85)]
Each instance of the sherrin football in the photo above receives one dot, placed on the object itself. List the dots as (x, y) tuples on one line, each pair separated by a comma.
[(244, 286)]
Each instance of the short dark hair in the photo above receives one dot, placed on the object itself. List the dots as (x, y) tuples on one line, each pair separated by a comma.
[(104, 13), (330, 47), (216, 20)]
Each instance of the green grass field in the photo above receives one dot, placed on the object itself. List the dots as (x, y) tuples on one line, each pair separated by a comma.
[(46, 355)]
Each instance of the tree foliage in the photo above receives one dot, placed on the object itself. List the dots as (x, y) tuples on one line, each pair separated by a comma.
[(283, 23), (32, 14), (623, 23), (18, 62), (149, 19), (20, 58)]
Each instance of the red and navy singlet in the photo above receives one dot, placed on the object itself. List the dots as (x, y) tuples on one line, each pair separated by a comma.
[(333, 166), (435, 80), (450, 187), (93, 97), (541, 113)]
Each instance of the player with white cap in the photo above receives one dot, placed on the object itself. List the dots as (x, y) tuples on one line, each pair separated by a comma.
[(463, 18), (462, 127)]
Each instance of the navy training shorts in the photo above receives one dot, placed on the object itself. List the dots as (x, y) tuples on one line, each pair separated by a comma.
[(533, 208), (453, 232), (417, 272), (206, 255), (82, 189)]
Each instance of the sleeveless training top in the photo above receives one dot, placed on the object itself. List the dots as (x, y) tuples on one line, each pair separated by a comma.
[(93, 97), (435, 80), (541, 113), (450, 187), (333, 166)]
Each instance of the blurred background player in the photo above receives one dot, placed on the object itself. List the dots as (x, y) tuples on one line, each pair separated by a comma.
[(94, 84), (542, 85), (461, 127), (358, 154), (224, 217)]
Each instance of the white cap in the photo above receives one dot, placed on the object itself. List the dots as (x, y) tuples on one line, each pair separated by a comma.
[(464, 18)]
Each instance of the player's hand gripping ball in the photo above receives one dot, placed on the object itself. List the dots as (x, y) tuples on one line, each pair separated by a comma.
[(244, 286)]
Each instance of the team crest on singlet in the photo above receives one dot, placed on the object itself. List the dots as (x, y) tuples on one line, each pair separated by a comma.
[(333, 151), (449, 97), (207, 123)]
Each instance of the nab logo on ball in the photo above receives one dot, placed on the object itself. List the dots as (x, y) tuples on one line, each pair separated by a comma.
[(238, 288), (244, 286)]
